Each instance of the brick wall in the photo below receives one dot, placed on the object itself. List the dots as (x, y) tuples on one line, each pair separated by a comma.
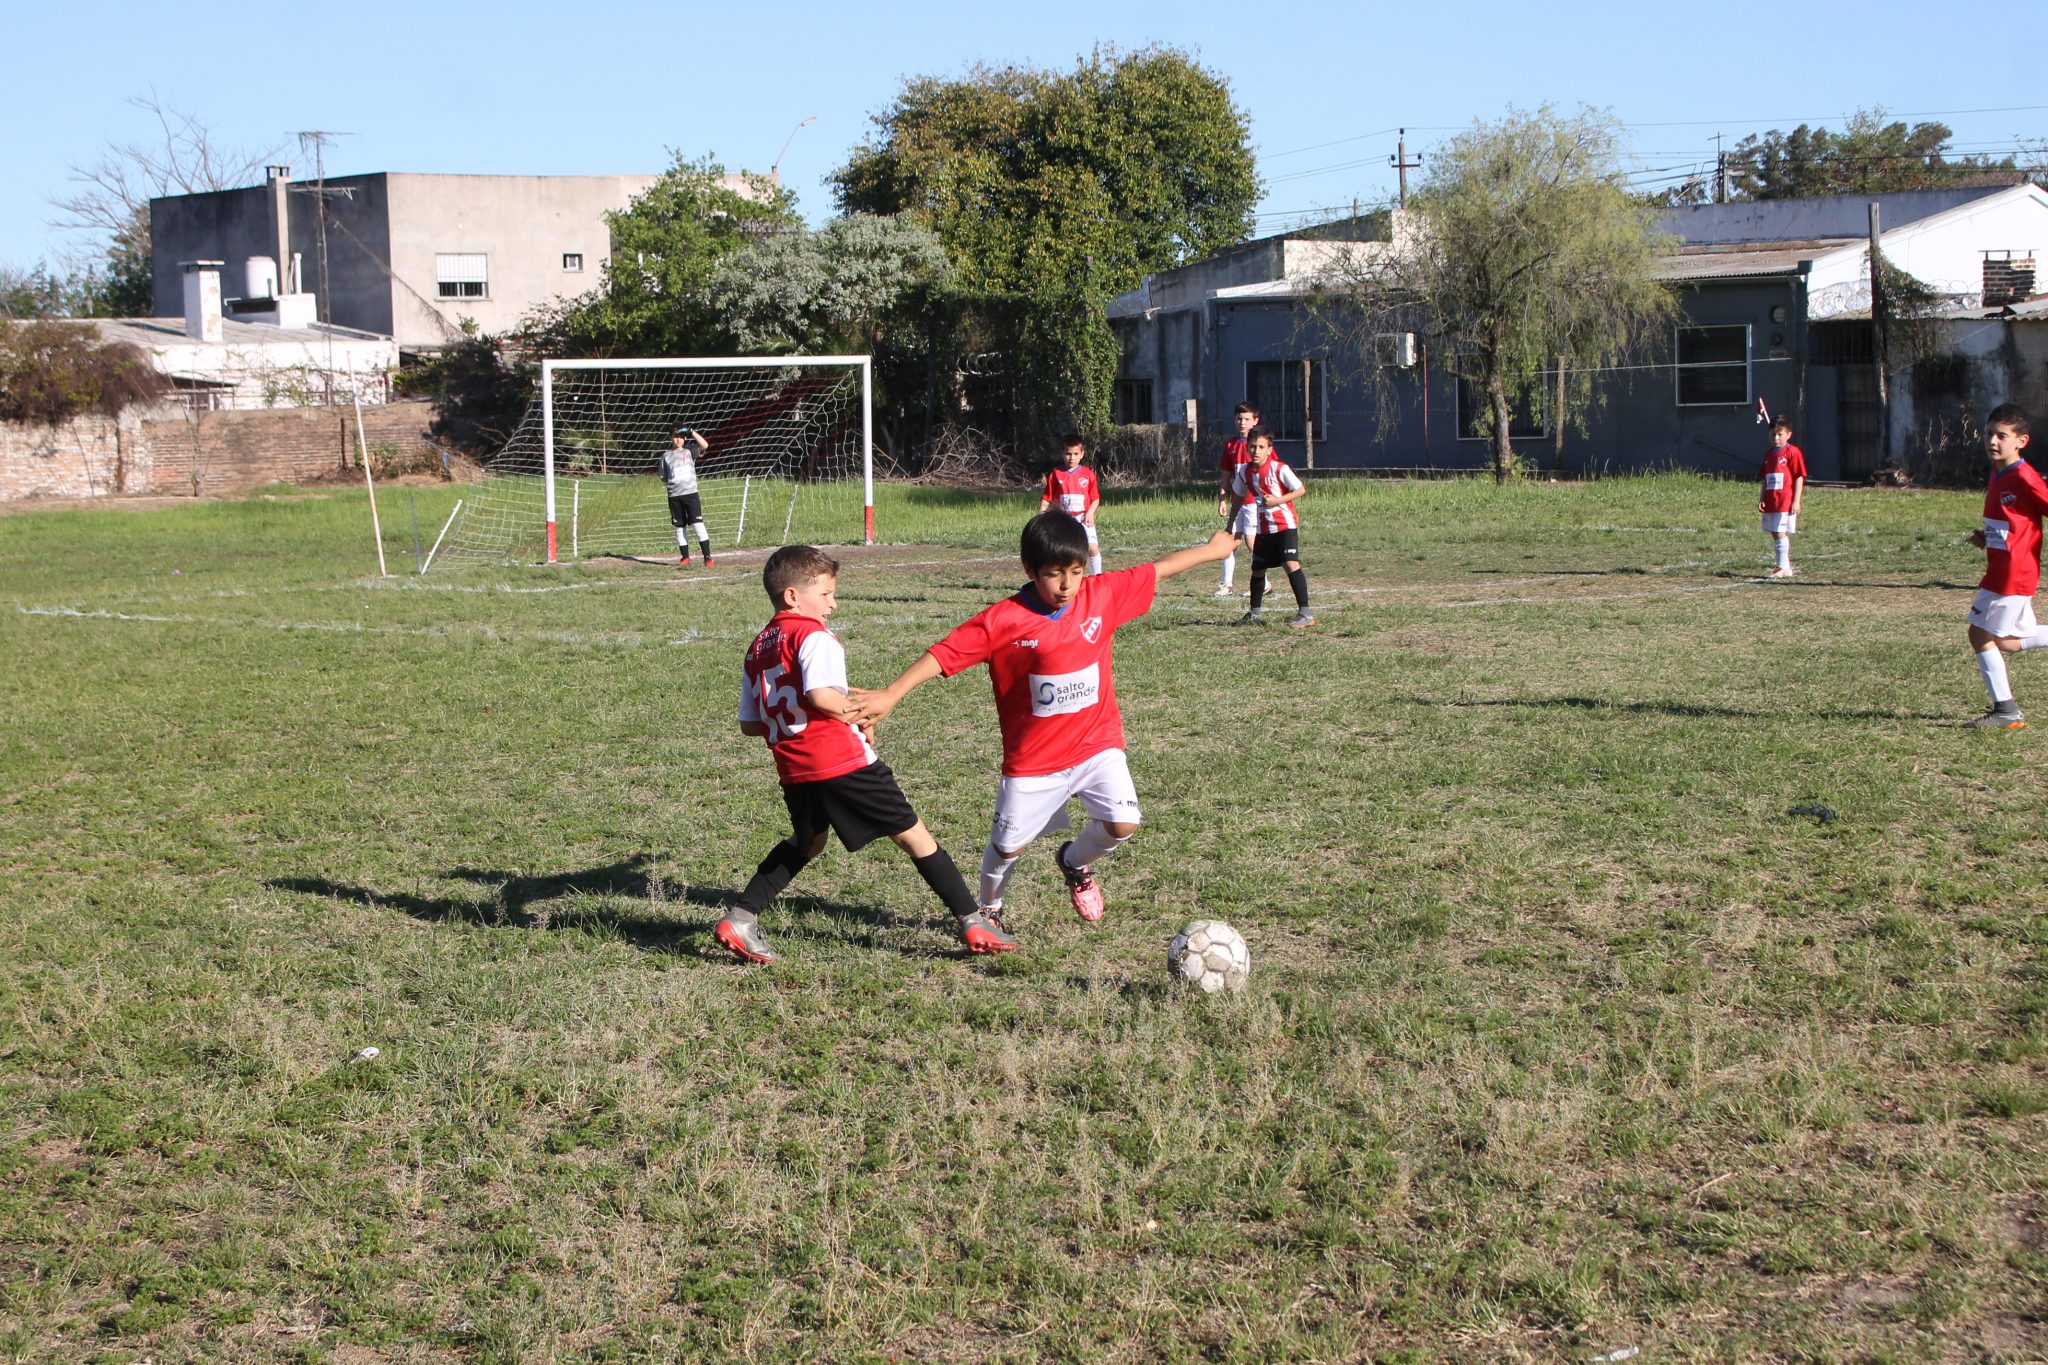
[(168, 451)]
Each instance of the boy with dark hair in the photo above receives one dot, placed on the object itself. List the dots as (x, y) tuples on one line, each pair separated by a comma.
[(1238, 513), (1784, 484), (2002, 614), (678, 469), (1048, 651), (793, 694), (1074, 489), (1272, 489)]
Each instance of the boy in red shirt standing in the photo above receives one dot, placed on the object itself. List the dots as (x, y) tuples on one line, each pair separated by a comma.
[(1073, 488), (1784, 484), (1239, 513), (793, 694), (2002, 614), (1048, 651)]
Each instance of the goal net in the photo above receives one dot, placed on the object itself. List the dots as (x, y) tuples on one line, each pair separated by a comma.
[(789, 459)]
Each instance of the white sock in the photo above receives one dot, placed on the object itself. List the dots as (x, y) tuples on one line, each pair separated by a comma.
[(1991, 663), (1094, 563), (1092, 843), (2036, 640), (1229, 571), (995, 875), (683, 540), (1784, 544)]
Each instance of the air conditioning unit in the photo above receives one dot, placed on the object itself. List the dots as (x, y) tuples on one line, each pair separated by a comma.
[(1395, 349)]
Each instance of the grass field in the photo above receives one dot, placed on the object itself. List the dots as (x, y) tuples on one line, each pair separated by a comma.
[(1566, 1036)]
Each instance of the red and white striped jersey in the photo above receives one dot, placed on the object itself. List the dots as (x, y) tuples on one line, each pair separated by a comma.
[(1074, 490), (1269, 480), (793, 655)]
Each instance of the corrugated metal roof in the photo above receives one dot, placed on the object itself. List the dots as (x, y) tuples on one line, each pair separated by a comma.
[(1746, 259)]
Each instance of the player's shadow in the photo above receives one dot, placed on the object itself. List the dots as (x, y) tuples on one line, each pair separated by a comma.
[(1670, 708), (1932, 585), (589, 901)]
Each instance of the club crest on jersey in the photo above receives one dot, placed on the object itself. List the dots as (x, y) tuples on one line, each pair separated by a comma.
[(1091, 628)]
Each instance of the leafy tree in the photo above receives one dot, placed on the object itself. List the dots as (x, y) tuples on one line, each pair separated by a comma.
[(833, 291), (1052, 192), (182, 157), (654, 298), (50, 371), (478, 393), (1869, 156), (1526, 247), (37, 293)]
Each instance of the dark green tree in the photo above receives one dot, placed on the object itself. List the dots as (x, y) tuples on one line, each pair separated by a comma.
[(1052, 192), (1869, 156), (654, 298)]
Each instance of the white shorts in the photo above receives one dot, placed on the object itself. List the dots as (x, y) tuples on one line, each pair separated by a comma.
[(1780, 523), (1245, 520), (1027, 807), (2006, 618)]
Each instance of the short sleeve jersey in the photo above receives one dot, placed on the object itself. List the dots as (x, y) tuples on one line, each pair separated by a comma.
[(679, 470), (1235, 453), (1271, 480), (791, 656), (1783, 468), (1074, 490), (1052, 671), (2014, 503)]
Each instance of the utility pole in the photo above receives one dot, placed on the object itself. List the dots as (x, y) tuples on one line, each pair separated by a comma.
[(1401, 163), (1720, 172)]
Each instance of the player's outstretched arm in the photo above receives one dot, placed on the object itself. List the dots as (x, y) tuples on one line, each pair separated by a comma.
[(868, 708), (1217, 547)]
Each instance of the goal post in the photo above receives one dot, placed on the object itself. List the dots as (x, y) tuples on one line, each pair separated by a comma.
[(791, 458)]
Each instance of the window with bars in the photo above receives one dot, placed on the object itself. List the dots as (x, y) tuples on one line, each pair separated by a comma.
[(1288, 394), (1134, 400), (462, 275), (1712, 366)]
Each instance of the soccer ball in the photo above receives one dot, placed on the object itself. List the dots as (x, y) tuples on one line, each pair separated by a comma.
[(1210, 956)]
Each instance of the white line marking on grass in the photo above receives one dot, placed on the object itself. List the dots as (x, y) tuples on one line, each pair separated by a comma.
[(475, 631)]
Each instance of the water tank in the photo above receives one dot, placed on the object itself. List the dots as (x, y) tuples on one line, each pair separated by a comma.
[(259, 278)]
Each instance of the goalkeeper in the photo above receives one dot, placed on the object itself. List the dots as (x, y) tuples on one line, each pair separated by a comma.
[(678, 469)]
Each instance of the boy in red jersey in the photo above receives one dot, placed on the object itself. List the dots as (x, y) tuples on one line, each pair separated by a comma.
[(1240, 514), (1272, 489), (2002, 614), (1048, 651), (1075, 490), (793, 694), (1784, 485)]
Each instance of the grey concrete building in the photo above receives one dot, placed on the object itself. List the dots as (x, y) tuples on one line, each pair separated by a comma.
[(401, 255)]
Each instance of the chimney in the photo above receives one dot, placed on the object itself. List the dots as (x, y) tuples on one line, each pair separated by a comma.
[(202, 299), (279, 180)]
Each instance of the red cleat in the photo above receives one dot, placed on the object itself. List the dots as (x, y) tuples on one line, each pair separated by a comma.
[(982, 932), (1081, 887), (746, 942)]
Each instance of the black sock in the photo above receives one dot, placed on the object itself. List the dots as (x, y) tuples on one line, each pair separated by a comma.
[(1298, 581), (944, 878), (1258, 589), (706, 547), (783, 862)]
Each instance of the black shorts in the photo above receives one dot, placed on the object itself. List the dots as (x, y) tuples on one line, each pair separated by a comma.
[(684, 509), (1274, 548), (862, 806)]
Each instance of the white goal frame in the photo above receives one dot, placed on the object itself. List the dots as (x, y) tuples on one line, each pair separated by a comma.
[(865, 364)]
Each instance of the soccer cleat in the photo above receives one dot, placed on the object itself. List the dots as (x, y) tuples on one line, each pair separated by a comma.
[(709, 562), (1250, 618), (1995, 719), (1224, 592), (746, 942), (1786, 571), (1302, 621), (683, 563), (1087, 896), (982, 932)]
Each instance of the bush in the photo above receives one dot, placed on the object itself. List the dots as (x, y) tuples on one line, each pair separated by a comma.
[(478, 398), (51, 371)]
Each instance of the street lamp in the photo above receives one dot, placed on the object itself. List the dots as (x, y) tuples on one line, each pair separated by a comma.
[(775, 171)]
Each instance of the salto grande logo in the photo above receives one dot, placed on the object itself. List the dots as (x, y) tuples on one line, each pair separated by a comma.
[(1061, 694)]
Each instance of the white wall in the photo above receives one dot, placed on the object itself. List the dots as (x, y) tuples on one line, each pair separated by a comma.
[(1946, 252)]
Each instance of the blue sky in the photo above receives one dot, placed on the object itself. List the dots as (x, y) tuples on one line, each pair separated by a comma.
[(524, 88)]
